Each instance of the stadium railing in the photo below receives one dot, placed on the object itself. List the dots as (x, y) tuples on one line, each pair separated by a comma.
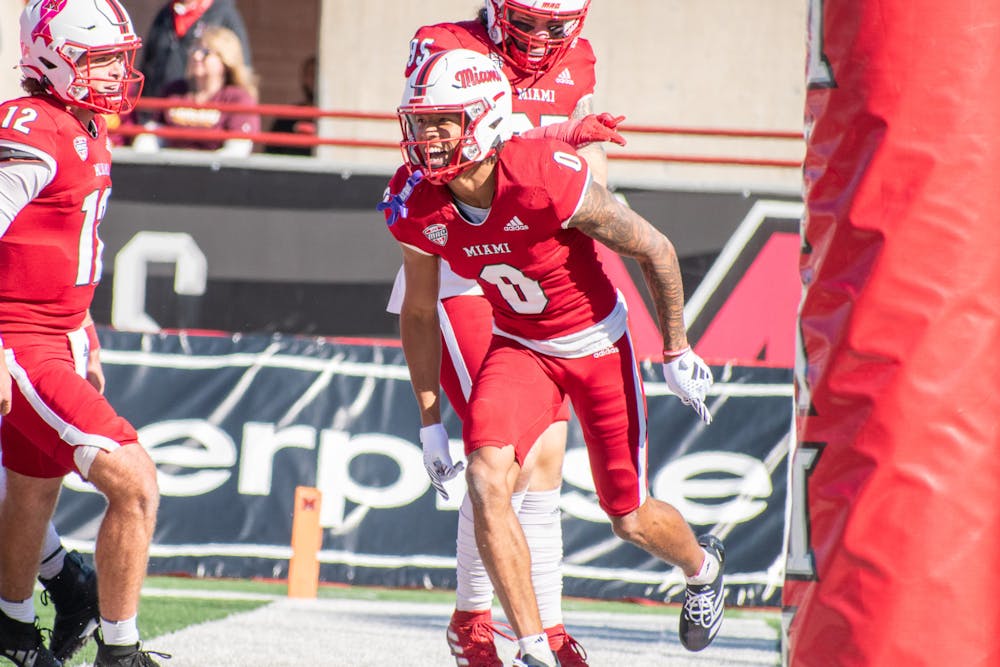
[(751, 140)]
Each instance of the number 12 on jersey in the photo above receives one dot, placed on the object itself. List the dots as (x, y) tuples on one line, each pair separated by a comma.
[(89, 264)]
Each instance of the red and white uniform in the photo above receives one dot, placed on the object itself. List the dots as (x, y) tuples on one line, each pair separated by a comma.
[(559, 327), (51, 257), (51, 253), (540, 98)]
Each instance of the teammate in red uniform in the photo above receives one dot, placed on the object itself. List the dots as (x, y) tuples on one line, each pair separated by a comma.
[(55, 164), (521, 216), (539, 48)]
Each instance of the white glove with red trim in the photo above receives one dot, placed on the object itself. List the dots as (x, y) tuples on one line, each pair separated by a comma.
[(437, 457), (689, 377)]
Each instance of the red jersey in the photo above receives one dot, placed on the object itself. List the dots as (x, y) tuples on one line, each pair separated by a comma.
[(50, 256), (542, 280), (540, 98)]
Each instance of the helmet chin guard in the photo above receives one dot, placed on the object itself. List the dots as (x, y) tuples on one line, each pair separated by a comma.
[(461, 82), (533, 34)]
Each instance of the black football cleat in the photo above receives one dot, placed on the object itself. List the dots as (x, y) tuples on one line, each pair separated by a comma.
[(22, 644), (73, 592), (703, 609), (109, 655)]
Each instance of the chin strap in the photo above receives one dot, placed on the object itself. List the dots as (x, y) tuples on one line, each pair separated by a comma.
[(396, 204)]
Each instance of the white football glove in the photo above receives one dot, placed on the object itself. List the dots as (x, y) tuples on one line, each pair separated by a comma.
[(689, 378), (437, 458)]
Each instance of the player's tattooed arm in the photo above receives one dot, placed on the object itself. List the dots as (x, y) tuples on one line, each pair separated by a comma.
[(594, 153), (605, 219), (584, 107)]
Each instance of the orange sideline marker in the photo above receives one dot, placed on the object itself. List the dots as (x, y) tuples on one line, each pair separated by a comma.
[(307, 537)]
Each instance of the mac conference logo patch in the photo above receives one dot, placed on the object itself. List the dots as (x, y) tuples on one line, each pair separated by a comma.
[(80, 145), (436, 233)]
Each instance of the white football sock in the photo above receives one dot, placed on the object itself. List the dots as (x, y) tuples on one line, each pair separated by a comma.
[(473, 588), (120, 633), (709, 570), (53, 554), (23, 611), (537, 646), (542, 523)]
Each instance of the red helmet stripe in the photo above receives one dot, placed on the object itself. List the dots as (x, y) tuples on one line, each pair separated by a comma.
[(120, 15), (425, 70)]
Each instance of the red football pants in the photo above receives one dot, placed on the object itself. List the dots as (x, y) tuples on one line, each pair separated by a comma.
[(55, 409)]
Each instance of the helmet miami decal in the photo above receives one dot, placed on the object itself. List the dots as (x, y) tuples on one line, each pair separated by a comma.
[(466, 78), (436, 233)]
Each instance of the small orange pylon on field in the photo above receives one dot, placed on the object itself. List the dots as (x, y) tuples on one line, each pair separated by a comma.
[(307, 538)]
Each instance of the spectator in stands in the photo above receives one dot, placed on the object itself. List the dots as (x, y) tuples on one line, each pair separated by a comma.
[(216, 73), (305, 126), (176, 29)]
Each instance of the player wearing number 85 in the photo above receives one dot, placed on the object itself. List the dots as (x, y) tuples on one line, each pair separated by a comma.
[(55, 179), (521, 217)]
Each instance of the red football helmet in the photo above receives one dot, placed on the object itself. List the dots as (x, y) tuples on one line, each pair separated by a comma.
[(66, 45), (533, 34)]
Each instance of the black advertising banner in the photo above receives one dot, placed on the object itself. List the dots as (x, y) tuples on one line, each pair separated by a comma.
[(236, 422)]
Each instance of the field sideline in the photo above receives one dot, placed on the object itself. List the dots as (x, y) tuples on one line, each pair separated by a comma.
[(233, 623)]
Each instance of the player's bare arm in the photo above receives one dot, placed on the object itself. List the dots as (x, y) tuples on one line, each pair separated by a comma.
[(605, 219), (594, 153), (418, 328)]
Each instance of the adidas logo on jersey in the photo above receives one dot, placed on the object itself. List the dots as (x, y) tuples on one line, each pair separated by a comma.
[(565, 78), (515, 225)]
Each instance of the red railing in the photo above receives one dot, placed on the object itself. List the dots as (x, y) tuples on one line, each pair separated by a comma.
[(312, 113)]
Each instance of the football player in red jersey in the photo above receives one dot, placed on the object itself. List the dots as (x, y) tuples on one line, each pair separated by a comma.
[(77, 60), (521, 217), (539, 48)]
